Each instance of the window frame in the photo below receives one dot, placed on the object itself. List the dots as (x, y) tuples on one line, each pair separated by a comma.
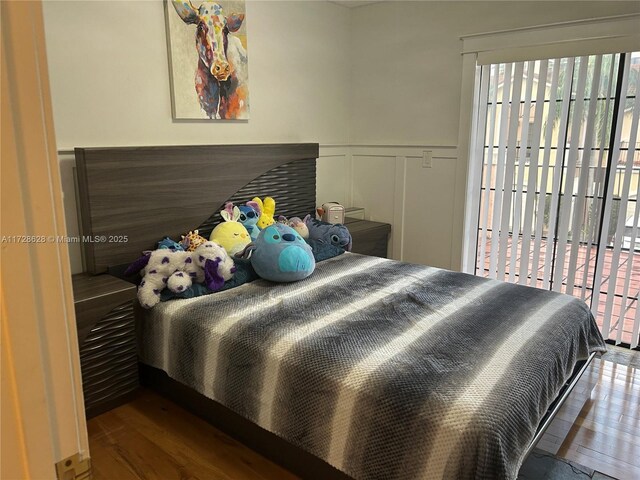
[(592, 36)]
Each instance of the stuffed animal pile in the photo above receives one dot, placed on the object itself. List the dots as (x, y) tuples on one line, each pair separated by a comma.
[(286, 251), (178, 269)]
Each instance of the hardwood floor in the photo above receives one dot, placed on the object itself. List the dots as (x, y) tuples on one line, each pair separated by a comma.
[(153, 438), (599, 427)]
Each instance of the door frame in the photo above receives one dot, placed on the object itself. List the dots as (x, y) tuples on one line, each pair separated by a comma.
[(43, 418)]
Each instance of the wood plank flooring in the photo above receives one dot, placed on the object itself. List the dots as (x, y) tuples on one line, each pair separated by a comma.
[(153, 438), (599, 426)]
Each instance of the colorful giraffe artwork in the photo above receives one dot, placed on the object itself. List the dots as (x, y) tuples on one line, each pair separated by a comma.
[(220, 89)]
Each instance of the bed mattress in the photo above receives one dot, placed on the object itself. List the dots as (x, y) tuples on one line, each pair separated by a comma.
[(385, 370)]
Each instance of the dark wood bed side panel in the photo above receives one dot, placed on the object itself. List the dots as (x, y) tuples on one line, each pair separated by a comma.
[(293, 185), (145, 193), (85, 210)]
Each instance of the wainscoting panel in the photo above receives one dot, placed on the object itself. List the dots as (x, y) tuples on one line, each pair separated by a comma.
[(373, 188), (392, 185), (333, 175), (428, 214)]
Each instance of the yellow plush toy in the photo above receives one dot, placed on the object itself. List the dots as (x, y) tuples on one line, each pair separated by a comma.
[(267, 210), (230, 234)]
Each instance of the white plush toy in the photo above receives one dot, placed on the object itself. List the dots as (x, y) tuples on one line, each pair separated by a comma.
[(160, 269)]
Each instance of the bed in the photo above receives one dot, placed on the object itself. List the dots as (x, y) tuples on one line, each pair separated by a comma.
[(370, 368)]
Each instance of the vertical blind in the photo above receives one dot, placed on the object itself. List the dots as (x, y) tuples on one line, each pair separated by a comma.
[(558, 206)]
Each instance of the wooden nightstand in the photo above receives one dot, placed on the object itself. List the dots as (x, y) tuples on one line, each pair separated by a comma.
[(369, 238), (106, 335)]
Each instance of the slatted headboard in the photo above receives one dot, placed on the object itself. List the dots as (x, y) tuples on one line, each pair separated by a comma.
[(145, 193)]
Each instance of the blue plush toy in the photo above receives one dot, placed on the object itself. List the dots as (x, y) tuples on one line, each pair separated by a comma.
[(280, 254), (249, 217), (334, 234), (169, 244)]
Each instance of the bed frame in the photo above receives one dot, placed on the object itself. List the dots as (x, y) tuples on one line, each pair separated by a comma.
[(283, 453), (140, 194), (145, 193)]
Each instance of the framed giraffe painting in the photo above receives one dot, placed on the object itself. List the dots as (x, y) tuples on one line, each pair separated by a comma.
[(207, 43)]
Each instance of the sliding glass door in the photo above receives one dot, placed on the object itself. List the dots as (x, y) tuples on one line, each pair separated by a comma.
[(560, 182)]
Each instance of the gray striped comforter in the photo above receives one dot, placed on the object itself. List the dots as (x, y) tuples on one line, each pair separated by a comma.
[(384, 369)]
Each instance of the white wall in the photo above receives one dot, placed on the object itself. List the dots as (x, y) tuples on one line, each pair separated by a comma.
[(374, 85), (407, 65), (406, 85), (110, 76), (110, 80)]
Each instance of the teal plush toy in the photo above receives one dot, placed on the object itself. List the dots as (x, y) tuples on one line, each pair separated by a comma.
[(280, 254)]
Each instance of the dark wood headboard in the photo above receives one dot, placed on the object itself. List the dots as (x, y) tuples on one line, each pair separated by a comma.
[(145, 193)]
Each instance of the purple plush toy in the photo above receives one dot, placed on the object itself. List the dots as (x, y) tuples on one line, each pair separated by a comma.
[(177, 270)]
